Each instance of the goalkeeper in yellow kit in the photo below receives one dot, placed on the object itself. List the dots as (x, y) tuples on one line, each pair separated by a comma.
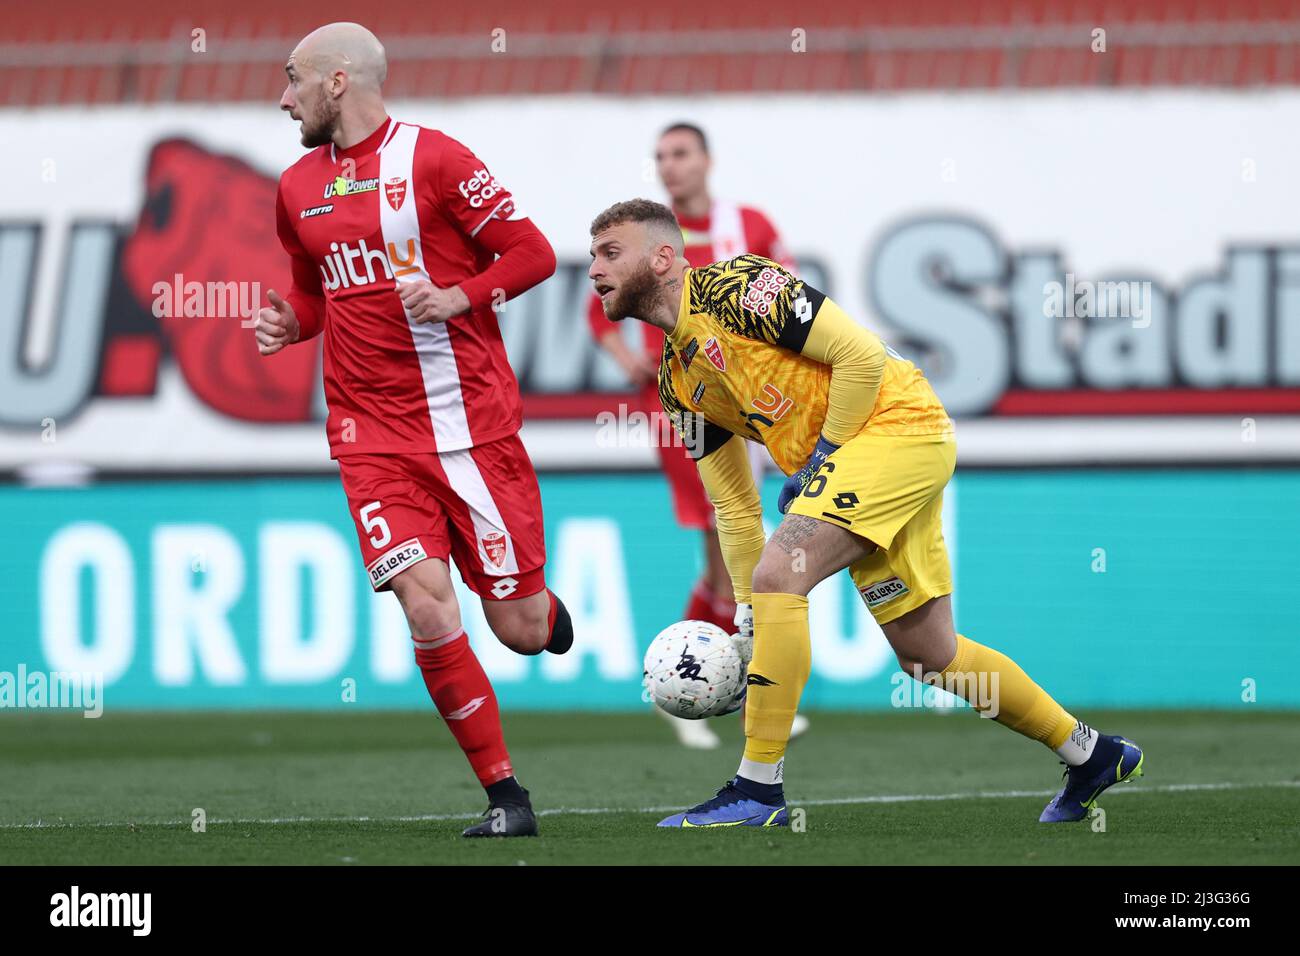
[(753, 353)]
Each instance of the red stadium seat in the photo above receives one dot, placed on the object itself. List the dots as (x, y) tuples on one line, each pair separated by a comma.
[(125, 52)]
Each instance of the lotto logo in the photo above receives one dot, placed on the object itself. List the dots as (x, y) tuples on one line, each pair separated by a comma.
[(479, 188), (505, 587), (466, 710), (763, 290)]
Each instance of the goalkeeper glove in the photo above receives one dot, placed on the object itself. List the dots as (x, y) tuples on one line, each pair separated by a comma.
[(796, 483), (743, 641)]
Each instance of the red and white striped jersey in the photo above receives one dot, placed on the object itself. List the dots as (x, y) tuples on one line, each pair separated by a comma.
[(404, 204)]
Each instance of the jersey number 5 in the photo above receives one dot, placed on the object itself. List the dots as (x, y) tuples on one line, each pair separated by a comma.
[(370, 524)]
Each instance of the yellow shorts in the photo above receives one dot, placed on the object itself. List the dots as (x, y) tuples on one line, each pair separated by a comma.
[(889, 490)]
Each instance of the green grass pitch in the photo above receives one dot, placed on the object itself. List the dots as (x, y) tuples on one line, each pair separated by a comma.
[(369, 788)]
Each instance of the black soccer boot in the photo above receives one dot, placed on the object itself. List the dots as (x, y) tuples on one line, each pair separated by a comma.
[(509, 813)]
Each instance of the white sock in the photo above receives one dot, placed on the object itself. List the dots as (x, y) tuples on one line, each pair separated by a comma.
[(1078, 746), (760, 772)]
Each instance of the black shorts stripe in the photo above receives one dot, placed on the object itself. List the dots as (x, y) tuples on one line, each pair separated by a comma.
[(840, 519)]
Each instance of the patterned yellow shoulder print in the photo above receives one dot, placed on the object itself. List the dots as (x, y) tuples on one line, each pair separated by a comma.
[(756, 298)]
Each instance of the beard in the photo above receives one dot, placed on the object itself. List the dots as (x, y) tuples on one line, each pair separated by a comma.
[(318, 128), (636, 298)]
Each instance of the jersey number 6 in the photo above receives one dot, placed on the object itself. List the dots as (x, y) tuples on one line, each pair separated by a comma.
[(817, 483)]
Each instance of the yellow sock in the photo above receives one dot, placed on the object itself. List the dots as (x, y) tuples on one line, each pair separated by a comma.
[(993, 683), (777, 674)]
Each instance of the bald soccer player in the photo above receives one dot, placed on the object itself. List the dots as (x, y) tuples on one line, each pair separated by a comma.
[(400, 238)]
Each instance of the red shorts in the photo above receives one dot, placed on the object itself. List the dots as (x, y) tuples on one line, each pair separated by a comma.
[(480, 506)]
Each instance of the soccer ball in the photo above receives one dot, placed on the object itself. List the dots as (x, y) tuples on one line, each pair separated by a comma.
[(693, 670)]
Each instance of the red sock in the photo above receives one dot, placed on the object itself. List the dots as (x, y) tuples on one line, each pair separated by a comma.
[(703, 607), (466, 701)]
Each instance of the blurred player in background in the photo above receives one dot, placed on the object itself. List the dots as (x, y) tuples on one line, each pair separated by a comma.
[(393, 230), (713, 229), (755, 353)]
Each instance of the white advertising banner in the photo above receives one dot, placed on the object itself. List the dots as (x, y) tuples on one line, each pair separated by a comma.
[(1086, 277)]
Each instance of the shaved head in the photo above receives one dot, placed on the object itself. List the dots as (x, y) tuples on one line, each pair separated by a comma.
[(336, 77), (346, 47)]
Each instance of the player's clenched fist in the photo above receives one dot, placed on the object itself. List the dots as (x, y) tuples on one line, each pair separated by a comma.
[(425, 302), (277, 326)]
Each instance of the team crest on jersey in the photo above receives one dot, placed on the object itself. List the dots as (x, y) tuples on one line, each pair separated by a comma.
[(713, 352), (494, 546), (395, 192)]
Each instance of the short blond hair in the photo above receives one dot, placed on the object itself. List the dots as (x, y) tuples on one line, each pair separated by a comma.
[(658, 219)]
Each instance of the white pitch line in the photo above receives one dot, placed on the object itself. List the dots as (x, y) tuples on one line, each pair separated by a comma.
[(598, 811)]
